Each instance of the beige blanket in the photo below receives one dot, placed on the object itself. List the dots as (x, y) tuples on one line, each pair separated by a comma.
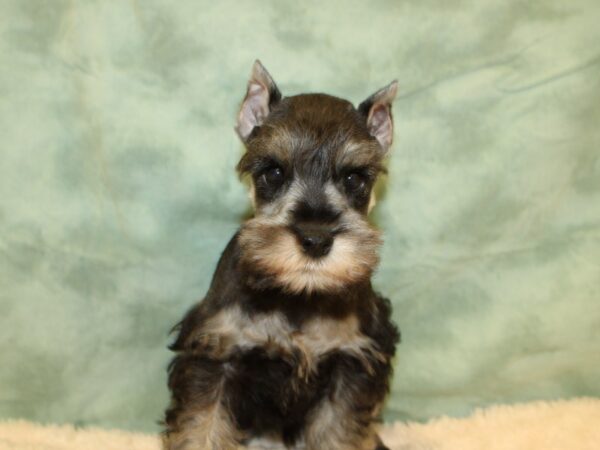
[(564, 425)]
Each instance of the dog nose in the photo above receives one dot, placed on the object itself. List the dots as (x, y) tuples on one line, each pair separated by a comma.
[(315, 242)]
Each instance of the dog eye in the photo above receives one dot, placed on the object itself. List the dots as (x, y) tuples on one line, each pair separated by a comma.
[(273, 177), (354, 182)]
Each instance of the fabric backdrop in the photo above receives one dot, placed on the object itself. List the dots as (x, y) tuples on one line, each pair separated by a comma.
[(118, 190)]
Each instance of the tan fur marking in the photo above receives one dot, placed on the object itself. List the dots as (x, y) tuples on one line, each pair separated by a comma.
[(334, 426), (231, 330), (276, 140), (204, 428), (360, 153), (274, 251), (323, 335), (252, 194), (372, 202)]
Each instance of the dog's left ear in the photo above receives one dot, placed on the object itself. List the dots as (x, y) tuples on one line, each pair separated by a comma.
[(378, 112), (261, 95)]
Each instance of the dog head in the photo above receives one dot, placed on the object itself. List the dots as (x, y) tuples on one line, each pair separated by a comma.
[(313, 160)]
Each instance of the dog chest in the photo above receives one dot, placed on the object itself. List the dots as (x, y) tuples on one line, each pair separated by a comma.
[(232, 332)]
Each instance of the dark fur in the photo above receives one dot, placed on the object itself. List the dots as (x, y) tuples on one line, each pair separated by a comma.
[(263, 389), (262, 392)]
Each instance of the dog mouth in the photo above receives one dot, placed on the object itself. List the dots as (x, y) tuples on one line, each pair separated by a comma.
[(275, 255)]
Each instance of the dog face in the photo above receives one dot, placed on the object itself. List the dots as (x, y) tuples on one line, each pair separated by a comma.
[(313, 160)]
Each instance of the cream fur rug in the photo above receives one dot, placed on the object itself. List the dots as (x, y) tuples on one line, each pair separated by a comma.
[(564, 425)]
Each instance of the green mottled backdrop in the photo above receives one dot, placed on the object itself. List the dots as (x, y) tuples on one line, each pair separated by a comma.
[(118, 190)]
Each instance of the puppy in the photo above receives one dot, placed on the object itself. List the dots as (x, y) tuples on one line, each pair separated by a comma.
[(291, 344)]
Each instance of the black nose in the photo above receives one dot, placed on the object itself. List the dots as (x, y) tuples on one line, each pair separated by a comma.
[(315, 241)]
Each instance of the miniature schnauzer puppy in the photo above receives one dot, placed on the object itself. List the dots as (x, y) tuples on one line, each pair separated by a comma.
[(291, 344)]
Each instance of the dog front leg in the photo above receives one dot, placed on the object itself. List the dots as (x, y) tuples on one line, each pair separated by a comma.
[(346, 416), (198, 418), (334, 426)]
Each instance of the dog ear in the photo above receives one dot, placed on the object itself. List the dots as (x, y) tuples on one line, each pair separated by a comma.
[(377, 110), (262, 94)]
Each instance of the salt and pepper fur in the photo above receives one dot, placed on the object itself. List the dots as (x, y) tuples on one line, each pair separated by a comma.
[(290, 346)]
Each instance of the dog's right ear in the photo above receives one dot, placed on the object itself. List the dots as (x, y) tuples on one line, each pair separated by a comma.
[(262, 94)]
